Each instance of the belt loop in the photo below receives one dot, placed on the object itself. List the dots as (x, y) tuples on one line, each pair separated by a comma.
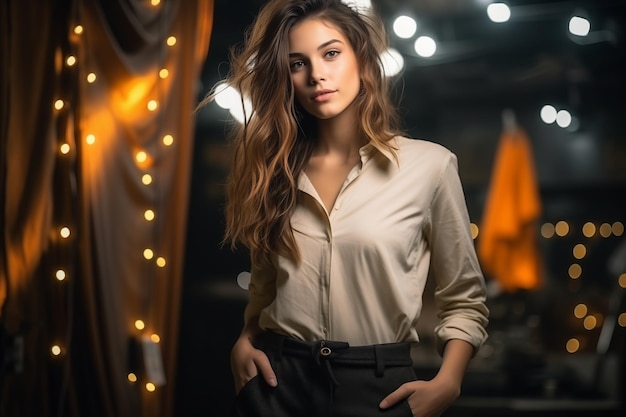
[(380, 361)]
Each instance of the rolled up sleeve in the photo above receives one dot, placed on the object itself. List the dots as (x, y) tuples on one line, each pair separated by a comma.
[(460, 292)]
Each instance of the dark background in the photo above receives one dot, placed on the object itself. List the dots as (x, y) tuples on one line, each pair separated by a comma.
[(457, 98)]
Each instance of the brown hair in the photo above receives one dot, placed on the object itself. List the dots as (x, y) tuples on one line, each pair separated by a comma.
[(274, 143)]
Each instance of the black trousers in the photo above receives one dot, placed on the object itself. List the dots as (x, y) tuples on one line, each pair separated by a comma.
[(326, 379)]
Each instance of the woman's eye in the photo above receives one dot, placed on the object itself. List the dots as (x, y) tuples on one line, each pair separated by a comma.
[(297, 65), (332, 54)]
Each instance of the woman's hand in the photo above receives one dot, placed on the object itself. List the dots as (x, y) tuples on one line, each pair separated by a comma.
[(425, 398), (246, 362), (432, 398)]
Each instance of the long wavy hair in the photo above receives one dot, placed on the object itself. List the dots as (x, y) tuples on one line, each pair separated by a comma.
[(273, 145)]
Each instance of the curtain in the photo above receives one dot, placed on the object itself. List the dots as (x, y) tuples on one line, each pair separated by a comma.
[(507, 245), (96, 141)]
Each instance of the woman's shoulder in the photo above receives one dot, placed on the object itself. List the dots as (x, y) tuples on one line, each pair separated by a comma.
[(412, 148)]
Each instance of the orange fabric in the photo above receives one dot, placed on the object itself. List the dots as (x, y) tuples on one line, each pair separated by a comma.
[(507, 245)]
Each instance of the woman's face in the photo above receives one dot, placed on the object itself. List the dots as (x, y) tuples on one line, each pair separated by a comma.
[(324, 68)]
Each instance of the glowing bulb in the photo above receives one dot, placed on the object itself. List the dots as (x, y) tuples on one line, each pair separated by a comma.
[(579, 251), (548, 114), (132, 377), (160, 261), (580, 311), (90, 139), (64, 148), (155, 338), (155, 2), (425, 46), (562, 228), (148, 215), (572, 345), (579, 26), (404, 27), (563, 118), (78, 29), (141, 156), (589, 229), (70, 60), (59, 104), (168, 140), (498, 12), (60, 275), (171, 41), (148, 253), (575, 271), (146, 179), (152, 105), (150, 387), (64, 232), (56, 350), (164, 73), (91, 78), (139, 324)]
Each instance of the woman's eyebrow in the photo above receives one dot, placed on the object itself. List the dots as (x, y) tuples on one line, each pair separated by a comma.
[(322, 46)]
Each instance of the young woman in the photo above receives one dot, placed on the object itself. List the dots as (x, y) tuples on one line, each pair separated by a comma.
[(344, 218)]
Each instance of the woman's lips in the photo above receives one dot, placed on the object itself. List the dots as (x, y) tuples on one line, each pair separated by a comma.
[(323, 95)]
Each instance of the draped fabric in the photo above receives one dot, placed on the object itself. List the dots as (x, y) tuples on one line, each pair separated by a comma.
[(101, 146), (507, 245)]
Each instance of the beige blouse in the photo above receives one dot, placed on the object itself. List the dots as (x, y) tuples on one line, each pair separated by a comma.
[(365, 264)]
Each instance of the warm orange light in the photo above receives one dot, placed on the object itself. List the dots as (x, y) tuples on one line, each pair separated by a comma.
[(160, 261), (171, 41), (59, 104), (150, 387), (141, 157), (55, 350), (164, 73), (90, 139), (148, 215), (140, 325), (155, 338), (575, 271), (146, 179), (579, 251), (78, 29), (580, 311), (64, 148), (605, 230), (589, 229), (168, 140), (60, 275), (547, 230), (572, 345), (148, 253), (132, 377), (91, 78), (70, 61), (562, 228), (152, 105)]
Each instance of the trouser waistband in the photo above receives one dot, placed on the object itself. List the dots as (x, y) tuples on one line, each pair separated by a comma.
[(338, 353)]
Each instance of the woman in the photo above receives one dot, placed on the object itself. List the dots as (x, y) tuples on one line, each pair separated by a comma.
[(344, 218)]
